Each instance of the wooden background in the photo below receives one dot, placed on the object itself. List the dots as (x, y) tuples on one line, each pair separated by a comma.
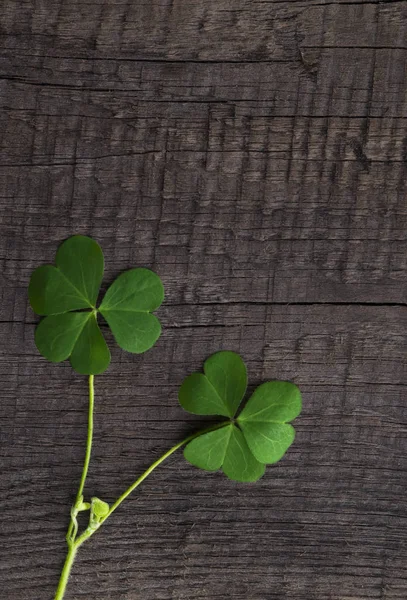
[(254, 154)]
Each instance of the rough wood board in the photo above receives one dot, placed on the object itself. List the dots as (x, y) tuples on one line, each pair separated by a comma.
[(255, 155)]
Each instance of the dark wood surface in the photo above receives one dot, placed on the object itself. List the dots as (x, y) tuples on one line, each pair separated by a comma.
[(254, 154)]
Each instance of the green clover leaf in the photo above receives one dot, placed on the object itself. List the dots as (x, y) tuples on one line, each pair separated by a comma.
[(56, 292), (264, 419), (219, 390), (127, 308), (260, 435), (226, 448)]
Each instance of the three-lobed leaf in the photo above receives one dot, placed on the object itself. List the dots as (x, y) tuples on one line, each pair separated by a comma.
[(56, 292), (260, 435)]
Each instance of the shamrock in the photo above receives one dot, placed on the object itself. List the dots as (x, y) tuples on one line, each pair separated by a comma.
[(259, 435), (66, 295)]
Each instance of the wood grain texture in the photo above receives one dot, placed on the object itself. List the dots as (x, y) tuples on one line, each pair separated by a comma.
[(254, 154)]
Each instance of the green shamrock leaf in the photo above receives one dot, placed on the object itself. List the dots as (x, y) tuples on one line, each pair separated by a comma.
[(127, 308), (264, 419), (219, 390), (259, 435), (56, 292), (226, 448)]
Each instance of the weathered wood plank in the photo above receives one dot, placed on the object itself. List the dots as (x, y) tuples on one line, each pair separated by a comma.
[(201, 29), (323, 81), (219, 238)]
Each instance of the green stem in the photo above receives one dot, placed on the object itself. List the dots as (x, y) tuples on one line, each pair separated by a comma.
[(70, 557), (157, 463), (90, 437), (73, 525), (73, 542), (88, 533)]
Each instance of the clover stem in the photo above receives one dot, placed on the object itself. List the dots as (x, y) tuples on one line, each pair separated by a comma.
[(88, 452), (63, 581), (73, 524), (87, 534), (73, 541), (157, 463), (90, 437)]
